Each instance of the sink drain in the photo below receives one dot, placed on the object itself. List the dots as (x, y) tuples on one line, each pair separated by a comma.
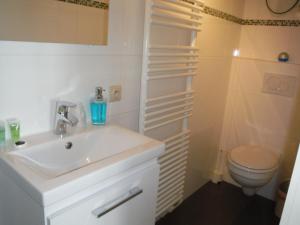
[(69, 145)]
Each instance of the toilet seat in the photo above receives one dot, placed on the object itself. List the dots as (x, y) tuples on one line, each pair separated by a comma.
[(249, 170), (253, 159)]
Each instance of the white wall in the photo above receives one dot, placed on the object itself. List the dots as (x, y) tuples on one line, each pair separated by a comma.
[(32, 75), (253, 117), (211, 87)]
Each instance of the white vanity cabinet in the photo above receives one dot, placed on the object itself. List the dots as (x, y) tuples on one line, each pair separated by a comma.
[(130, 201), (126, 199)]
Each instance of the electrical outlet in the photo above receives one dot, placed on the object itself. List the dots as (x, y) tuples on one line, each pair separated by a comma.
[(115, 93)]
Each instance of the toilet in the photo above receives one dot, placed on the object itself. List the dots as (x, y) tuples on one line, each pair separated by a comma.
[(252, 166)]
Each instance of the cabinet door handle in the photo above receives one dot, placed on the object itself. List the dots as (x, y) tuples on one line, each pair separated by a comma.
[(101, 211)]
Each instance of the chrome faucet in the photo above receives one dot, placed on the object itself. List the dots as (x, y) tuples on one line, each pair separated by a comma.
[(63, 117)]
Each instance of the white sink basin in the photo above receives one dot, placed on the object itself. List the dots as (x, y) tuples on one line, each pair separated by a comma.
[(54, 158), (49, 172)]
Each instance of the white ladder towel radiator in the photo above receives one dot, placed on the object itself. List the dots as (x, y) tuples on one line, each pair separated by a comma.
[(170, 60)]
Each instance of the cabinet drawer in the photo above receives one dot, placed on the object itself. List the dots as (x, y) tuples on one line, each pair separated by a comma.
[(130, 201)]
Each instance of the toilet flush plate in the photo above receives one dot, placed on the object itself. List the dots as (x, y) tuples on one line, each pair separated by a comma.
[(279, 84)]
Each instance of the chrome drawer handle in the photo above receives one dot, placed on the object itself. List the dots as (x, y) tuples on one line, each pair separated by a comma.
[(101, 211)]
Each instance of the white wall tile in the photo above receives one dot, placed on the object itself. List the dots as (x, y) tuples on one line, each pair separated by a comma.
[(266, 42), (234, 7), (213, 42), (248, 74)]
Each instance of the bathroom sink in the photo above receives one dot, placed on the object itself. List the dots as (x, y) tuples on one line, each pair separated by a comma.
[(61, 156), (50, 168)]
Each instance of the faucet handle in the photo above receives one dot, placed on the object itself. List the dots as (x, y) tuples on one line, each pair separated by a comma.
[(63, 117), (62, 107)]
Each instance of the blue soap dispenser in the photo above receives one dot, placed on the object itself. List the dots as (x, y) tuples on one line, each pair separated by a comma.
[(98, 107)]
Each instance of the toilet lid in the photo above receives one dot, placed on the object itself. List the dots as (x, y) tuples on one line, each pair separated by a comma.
[(254, 157)]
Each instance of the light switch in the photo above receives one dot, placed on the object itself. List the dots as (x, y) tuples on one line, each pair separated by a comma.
[(115, 93), (279, 84)]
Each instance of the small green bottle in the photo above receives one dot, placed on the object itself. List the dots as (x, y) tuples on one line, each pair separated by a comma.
[(2, 132), (14, 127)]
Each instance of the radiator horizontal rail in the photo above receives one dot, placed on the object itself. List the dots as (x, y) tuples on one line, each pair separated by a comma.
[(175, 8), (174, 137), (180, 173), (176, 177), (170, 54), (168, 193), (176, 169), (163, 117), (168, 201), (168, 117), (169, 166), (175, 17), (174, 153), (185, 105), (161, 77), (170, 188), (175, 148), (170, 102), (169, 96), (170, 205), (188, 5), (174, 47), (167, 122), (166, 69), (162, 62), (177, 141), (174, 24), (180, 157)]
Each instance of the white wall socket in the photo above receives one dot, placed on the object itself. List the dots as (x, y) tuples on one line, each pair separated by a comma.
[(115, 93)]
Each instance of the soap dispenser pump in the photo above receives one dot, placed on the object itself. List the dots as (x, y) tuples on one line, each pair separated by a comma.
[(98, 107)]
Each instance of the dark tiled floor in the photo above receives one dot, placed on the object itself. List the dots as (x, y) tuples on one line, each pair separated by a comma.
[(222, 204)]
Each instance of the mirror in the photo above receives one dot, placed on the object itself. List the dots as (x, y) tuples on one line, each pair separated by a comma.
[(281, 6), (55, 21)]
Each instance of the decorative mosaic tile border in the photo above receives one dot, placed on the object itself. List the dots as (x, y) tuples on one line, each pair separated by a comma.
[(88, 3), (220, 14), (284, 23)]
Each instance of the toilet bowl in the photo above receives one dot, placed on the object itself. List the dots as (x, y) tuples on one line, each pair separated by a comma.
[(252, 167)]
